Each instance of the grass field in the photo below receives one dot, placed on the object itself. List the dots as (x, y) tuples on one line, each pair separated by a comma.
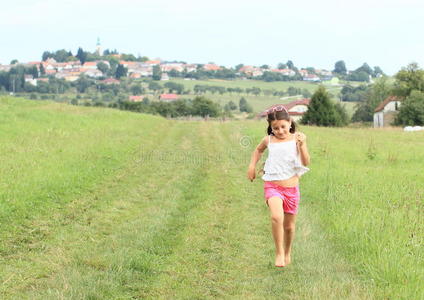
[(103, 204), (260, 102)]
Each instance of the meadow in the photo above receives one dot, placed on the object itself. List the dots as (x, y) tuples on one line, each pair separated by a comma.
[(97, 203), (258, 102)]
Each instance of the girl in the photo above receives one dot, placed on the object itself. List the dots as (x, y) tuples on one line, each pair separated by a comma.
[(288, 155)]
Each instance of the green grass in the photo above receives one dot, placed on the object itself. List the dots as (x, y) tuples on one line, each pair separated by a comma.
[(244, 84), (102, 204)]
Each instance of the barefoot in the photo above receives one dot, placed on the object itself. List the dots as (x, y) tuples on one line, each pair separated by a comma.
[(279, 260), (287, 259)]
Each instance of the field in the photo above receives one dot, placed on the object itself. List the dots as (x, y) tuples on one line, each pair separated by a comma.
[(260, 102), (103, 204)]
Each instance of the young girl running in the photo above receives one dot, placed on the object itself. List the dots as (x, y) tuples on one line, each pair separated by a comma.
[(288, 155)]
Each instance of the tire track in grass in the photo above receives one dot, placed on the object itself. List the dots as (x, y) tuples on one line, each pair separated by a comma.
[(100, 252), (316, 272), (229, 250)]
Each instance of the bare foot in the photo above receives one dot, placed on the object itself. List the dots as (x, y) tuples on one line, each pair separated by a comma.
[(287, 260), (279, 260)]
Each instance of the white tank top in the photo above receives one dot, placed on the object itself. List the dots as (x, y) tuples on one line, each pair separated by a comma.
[(283, 161)]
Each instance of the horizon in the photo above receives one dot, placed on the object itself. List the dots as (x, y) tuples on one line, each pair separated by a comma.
[(313, 35)]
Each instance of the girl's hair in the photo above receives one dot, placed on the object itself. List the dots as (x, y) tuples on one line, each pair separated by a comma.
[(280, 115)]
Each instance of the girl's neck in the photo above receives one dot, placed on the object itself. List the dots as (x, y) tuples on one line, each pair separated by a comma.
[(286, 139)]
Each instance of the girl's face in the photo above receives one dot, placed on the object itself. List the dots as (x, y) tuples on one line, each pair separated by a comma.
[(281, 128)]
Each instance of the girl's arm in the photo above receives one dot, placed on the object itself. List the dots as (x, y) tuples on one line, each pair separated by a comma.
[(256, 156), (303, 149)]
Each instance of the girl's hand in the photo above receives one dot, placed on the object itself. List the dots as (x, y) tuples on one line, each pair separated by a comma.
[(300, 138), (251, 173)]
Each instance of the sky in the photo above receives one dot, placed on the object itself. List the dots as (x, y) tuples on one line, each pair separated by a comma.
[(316, 34)]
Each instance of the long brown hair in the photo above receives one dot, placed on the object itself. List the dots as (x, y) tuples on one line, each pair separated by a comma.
[(280, 115)]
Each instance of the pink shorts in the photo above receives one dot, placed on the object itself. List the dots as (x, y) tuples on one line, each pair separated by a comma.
[(289, 195)]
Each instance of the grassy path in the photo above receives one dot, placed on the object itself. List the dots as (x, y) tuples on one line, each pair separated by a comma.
[(179, 221)]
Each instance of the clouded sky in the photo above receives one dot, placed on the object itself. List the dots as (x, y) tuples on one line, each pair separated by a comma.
[(310, 33)]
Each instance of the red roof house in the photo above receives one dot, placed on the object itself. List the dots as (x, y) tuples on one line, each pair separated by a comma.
[(168, 97)]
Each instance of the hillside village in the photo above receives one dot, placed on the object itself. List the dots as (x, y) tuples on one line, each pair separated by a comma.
[(123, 73), (72, 70)]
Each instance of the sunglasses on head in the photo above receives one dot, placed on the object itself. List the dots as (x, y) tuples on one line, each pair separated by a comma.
[(276, 108)]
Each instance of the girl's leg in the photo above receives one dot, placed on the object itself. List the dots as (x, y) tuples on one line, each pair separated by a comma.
[(289, 230), (277, 220)]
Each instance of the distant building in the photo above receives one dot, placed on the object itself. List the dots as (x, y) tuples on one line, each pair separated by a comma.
[(211, 67), (98, 47), (168, 97), (30, 79), (311, 77), (135, 98), (386, 111), (164, 76), (110, 81)]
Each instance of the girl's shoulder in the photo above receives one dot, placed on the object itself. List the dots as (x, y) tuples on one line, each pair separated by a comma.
[(265, 140)]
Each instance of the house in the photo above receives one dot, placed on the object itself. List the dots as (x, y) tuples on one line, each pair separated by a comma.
[(172, 66), (296, 109), (30, 79), (90, 65), (164, 76), (135, 98), (386, 111), (135, 75), (311, 77), (285, 72), (190, 67), (110, 81), (251, 71), (94, 73), (152, 62), (168, 97), (5, 68), (211, 67)]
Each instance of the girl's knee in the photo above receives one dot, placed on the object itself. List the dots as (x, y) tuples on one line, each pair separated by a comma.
[(277, 218), (289, 227)]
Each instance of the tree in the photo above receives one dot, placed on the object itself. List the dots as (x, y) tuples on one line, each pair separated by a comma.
[(81, 55), (412, 110), (14, 62), (238, 67), (137, 89), (42, 70), (244, 106), (102, 67), (282, 66), (340, 67), (121, 71), (409, 79), (321, 111), (365, 68), (232, 105), (359, 76), (34, 71), (378, 71), (46, 55), (61, 55), (174, 87), (290, 65), (409, 84), (154, 86), (372, 96), (205, 107), (157, 73), (82, 84)]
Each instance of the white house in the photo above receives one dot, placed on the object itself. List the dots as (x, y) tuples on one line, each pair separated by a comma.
[(386, 111)]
